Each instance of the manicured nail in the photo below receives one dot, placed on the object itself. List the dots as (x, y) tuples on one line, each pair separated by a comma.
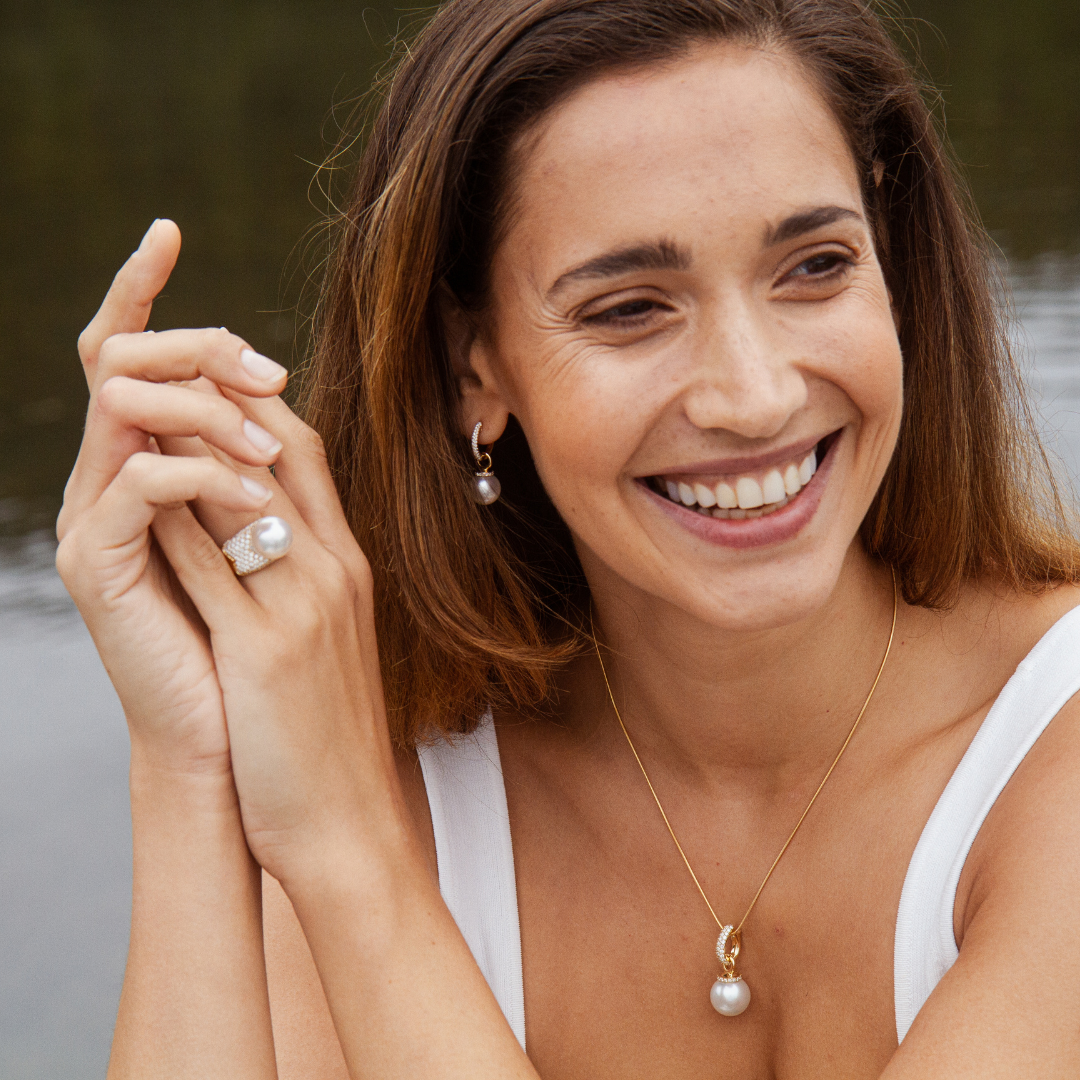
[(149, 235), (260, 438), (261, 367), (255, 489)]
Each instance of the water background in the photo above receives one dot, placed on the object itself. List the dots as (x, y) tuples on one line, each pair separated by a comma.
[(214, 114)]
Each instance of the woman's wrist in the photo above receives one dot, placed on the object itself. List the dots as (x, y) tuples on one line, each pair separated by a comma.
[(159, 784), (365, 861)]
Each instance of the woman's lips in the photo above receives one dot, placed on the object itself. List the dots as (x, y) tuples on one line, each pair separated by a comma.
[(772, 528)]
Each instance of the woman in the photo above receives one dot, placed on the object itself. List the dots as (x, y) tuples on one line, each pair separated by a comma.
[(777, 580)]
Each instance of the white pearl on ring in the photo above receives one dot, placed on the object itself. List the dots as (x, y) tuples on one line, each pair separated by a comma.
[(729, 998), (271, 536)]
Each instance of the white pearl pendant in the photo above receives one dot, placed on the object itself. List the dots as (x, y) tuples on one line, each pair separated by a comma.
[(486, 488), (729, 997)]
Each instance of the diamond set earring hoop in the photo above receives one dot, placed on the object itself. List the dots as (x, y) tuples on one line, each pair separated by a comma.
[(485, 484)]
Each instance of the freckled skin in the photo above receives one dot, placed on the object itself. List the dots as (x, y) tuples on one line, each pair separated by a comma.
[(742, 352), (738, 670)]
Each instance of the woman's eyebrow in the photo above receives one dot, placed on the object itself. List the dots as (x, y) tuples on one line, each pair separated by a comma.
[(661, 255), (807, 221)]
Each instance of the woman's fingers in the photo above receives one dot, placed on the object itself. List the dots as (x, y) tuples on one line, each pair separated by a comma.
[(126, 411), (148, 482), (201, 567), (127, 404), (302, 472), (105, 551), (185, 355), (126, 307)]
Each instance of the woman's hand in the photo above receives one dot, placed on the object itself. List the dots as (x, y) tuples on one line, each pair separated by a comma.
[(277, 675), (270, 685), (154, 645), (195, 1001)]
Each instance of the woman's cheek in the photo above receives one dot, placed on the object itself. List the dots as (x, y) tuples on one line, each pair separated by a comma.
[(583, 426)]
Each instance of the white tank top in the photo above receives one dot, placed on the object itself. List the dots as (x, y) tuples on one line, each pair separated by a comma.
[(476, 859)]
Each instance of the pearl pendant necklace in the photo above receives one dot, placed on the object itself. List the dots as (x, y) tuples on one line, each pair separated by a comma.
[(730, 996)]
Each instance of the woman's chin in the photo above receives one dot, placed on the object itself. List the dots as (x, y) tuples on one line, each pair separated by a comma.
[(764, 598)]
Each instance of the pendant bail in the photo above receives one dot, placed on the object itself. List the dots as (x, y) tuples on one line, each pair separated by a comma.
[(727, 951)]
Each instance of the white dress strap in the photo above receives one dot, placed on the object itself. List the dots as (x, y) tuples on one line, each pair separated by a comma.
[(465, 791), (925, 946)]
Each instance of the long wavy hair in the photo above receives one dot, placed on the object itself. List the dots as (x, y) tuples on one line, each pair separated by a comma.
[(478, 605)]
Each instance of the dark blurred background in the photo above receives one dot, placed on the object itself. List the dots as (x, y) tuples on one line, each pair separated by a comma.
[(114, 113), (216, 114)]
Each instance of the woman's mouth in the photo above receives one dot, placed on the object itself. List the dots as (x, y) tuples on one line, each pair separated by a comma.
[(737, 498), (750, 495)]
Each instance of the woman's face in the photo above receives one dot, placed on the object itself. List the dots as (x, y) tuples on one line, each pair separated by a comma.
[(690, 323)]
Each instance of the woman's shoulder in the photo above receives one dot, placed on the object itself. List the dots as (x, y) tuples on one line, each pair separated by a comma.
[(1024, 855), (997, 628)]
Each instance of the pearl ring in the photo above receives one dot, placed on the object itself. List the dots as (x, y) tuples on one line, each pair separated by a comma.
[(258, 545)]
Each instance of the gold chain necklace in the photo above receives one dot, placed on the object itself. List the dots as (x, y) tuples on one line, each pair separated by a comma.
[(729, 994)]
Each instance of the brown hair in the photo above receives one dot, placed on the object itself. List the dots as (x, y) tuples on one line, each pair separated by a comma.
[(480, 605)]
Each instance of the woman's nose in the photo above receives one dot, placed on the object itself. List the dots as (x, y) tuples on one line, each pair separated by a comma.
[(744, 377)]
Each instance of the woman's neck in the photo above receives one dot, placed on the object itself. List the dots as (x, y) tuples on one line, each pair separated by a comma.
[(720, 706)]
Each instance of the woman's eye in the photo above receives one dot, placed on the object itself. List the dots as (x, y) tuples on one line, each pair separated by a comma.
[(631, 311), (818, 266)]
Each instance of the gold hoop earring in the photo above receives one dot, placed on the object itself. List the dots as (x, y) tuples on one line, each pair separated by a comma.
[(485, 484)]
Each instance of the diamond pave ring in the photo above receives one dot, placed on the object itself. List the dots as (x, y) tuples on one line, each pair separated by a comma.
[(258, 545)]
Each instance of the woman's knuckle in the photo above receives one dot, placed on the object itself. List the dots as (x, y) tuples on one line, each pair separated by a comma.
[(363, 578), (223, 413), (64, 561), (309, 441), (277, 650), (68, 558), (138, 469), (108, 352), (211, 340), (85, 343), (203, 554), (64, 521), (112, 395), (339, 584)]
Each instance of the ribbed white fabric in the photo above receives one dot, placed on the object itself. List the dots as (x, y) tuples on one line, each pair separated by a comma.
[(925, 946), (476, 860), (467, 797)]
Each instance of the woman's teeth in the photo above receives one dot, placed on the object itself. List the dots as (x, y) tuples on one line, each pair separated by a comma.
[(748, 497)]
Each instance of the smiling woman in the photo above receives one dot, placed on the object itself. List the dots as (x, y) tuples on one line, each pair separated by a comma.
[(966, 490), (777, 615)]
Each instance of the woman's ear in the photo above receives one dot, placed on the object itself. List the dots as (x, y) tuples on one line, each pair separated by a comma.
[(480, 396)]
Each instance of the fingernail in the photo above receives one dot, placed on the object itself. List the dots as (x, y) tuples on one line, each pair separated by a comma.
[(255, 489), (261, 367), (260, 438), (149, 234)]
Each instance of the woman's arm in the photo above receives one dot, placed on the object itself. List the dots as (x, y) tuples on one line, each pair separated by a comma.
[(323, 807), (275, 677), (194, 1002), (1010, 1005), (305, 1042)]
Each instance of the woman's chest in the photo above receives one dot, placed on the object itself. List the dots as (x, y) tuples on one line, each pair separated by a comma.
[(618, 944)]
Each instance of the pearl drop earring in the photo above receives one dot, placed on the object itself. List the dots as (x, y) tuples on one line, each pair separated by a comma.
[(485, 484)]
